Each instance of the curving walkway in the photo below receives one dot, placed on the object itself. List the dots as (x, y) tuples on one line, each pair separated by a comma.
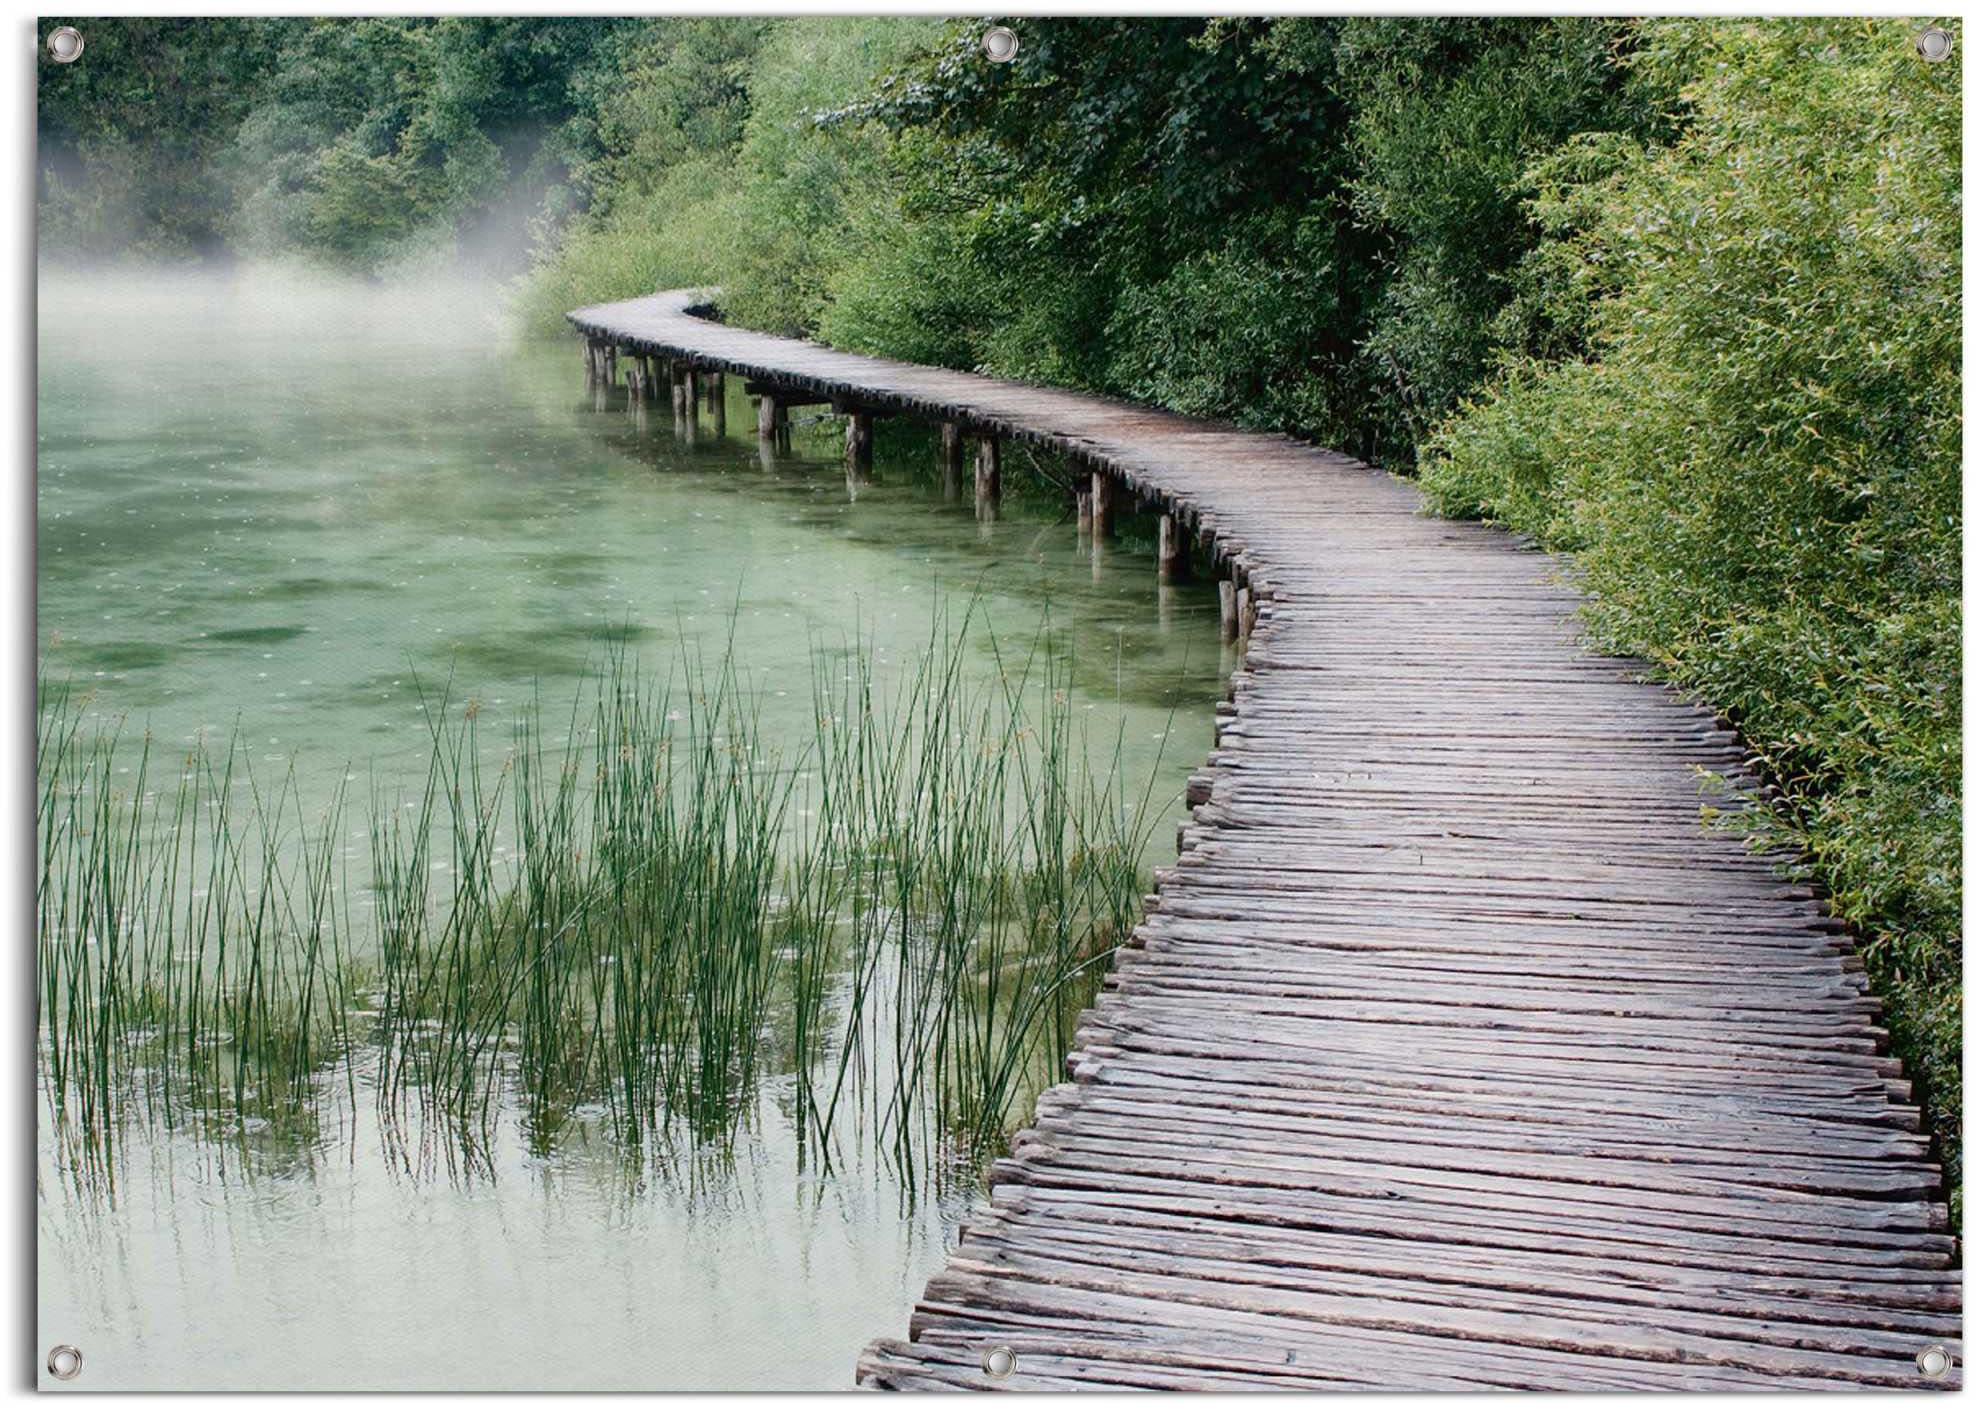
[(1454, 1052)]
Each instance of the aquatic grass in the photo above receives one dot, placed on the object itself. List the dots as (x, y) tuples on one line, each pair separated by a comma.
[(182, 950), (637, 918)]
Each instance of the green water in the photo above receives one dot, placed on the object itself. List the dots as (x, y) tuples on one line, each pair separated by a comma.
[(269, 509)]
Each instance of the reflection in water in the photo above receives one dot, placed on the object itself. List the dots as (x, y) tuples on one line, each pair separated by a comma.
[(273, 533)]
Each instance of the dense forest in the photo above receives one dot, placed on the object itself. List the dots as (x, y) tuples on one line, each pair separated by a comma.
[(1681, 298)]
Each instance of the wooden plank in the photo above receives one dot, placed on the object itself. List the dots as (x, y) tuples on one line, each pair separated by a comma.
[(1457, 1049)]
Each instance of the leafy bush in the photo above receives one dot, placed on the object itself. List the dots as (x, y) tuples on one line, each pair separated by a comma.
[(1761, 471), (1233, 335), (802, 182), (669, 238), (1445, 116)]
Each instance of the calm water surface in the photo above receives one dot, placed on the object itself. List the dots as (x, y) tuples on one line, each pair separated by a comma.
[(269, 508)]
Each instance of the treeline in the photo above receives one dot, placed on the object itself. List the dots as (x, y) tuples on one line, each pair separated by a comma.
[(359, 142), (1682, 297)]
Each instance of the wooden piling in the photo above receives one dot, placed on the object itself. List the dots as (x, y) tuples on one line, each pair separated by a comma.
[(1101, 504), (768, 417), (717, 401), (1083, 513), (950, 459), (1173, 549), (679, 390), (857, 440), (987, 474), (1231, 622)]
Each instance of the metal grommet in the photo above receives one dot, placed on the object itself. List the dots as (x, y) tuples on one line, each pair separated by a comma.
[(999, 1362), (1000, 44), (1933, 44), (65, 45), (64, 1361), (1935, 1361)]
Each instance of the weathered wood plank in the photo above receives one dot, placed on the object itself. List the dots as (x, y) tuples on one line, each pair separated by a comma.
[(1455, 1050)]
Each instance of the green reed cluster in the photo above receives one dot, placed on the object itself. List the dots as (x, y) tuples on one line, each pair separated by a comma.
[(637, 916)]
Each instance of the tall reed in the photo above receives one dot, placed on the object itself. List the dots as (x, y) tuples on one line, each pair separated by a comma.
[(638, 916)]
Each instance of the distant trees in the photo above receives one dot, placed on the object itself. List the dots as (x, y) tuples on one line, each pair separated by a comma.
[(130, 140), (344, 139)]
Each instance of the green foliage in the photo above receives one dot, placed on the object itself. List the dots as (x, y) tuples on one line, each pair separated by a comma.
[(671, 238), (334, 138), (1228, 333), (1446, 115), (802, 183), (129, 141), (678, 94), (1761, 472), (1092, 192), (757, 196)]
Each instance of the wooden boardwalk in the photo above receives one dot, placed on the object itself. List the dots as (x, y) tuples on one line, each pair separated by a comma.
[(1454, 1052)]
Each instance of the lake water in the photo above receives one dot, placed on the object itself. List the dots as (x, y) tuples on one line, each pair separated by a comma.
[(269, 508)]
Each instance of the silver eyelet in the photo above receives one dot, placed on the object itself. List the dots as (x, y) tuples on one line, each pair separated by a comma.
[(64, 1361)]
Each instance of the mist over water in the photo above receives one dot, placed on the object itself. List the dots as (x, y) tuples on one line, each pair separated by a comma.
[(270, 504)]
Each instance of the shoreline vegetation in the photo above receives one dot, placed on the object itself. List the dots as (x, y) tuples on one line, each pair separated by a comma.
[(1680, 298), (634, 915)]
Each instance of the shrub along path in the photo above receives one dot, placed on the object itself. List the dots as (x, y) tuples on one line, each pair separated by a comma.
[(1455, 1051)]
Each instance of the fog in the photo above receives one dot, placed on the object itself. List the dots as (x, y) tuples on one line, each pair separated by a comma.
[(125, 311)]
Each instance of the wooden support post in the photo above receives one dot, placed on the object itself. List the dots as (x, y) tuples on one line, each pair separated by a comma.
[(679, 375), (1083, 514), (768, 418), (987, 474), (717, 400), (950, 460), (610, 364), (1173, 549), (1231, 623), (589, 363), (857, 440), (1101, 504), (692, 395), (1245, 612)]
